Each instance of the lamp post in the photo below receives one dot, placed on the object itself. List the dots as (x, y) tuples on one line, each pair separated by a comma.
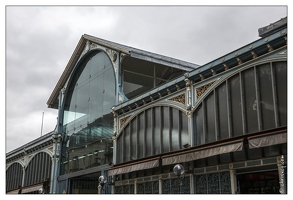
[(179, 171), (102, 181)]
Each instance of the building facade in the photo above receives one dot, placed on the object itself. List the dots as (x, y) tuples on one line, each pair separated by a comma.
[(127, 118)]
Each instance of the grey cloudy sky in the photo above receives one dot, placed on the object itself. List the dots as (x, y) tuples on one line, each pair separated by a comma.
[(41, 39)]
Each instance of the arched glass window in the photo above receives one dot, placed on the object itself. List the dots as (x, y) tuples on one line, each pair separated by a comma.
[(87, 117)]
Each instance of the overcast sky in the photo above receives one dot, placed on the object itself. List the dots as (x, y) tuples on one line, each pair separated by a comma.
[(41, 39)]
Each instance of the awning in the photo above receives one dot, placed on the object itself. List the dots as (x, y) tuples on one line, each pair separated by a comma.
[(13, 192), (31, 189), (134, 167), (267, 140), (202, 153)]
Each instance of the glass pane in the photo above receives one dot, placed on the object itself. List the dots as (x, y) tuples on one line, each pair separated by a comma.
[(157, 130), (84, 76), (97, 64), (162, 71), (82, 103), (134, 84), (108, 91), (69, 108), (167, 73), (210, 117), (138, 66), (281, 83), (159, 82), (222, 111), (88, 125), (198, 126), (250, 100), (236, 112), (266, 96), (166, 126), (96, 92)]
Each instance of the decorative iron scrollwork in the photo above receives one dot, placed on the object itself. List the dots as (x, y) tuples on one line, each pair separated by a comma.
[(123, 121), (201, 90), (179, 99), (112, 54)]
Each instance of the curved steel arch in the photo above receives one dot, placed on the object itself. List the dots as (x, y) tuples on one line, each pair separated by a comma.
[(77, 65), (227, 76), (19, 162), (39, 171), (152, 131), (160, 104), (35, 154), (243, 105), (14, 175)]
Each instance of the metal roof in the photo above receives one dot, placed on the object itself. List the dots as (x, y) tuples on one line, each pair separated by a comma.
[(40, 140), (145, 55)]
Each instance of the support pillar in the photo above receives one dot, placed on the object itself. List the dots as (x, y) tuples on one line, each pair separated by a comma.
[(282, 175), (113, 185), (191, 184), (135, 187), (23, 176), (160, 186), (233, 181)]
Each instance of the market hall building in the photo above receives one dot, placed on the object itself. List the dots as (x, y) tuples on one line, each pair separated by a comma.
[(135, 122)]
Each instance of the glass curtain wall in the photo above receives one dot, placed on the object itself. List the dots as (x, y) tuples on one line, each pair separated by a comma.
[(87, 117)]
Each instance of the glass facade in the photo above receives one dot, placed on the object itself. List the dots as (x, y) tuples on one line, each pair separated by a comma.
[(140, 76), (87, 117)]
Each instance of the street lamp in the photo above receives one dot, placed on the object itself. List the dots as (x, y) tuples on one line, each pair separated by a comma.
[(179, 172), (102, 181)]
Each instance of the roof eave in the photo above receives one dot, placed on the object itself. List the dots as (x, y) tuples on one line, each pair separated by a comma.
[(73, 59)]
